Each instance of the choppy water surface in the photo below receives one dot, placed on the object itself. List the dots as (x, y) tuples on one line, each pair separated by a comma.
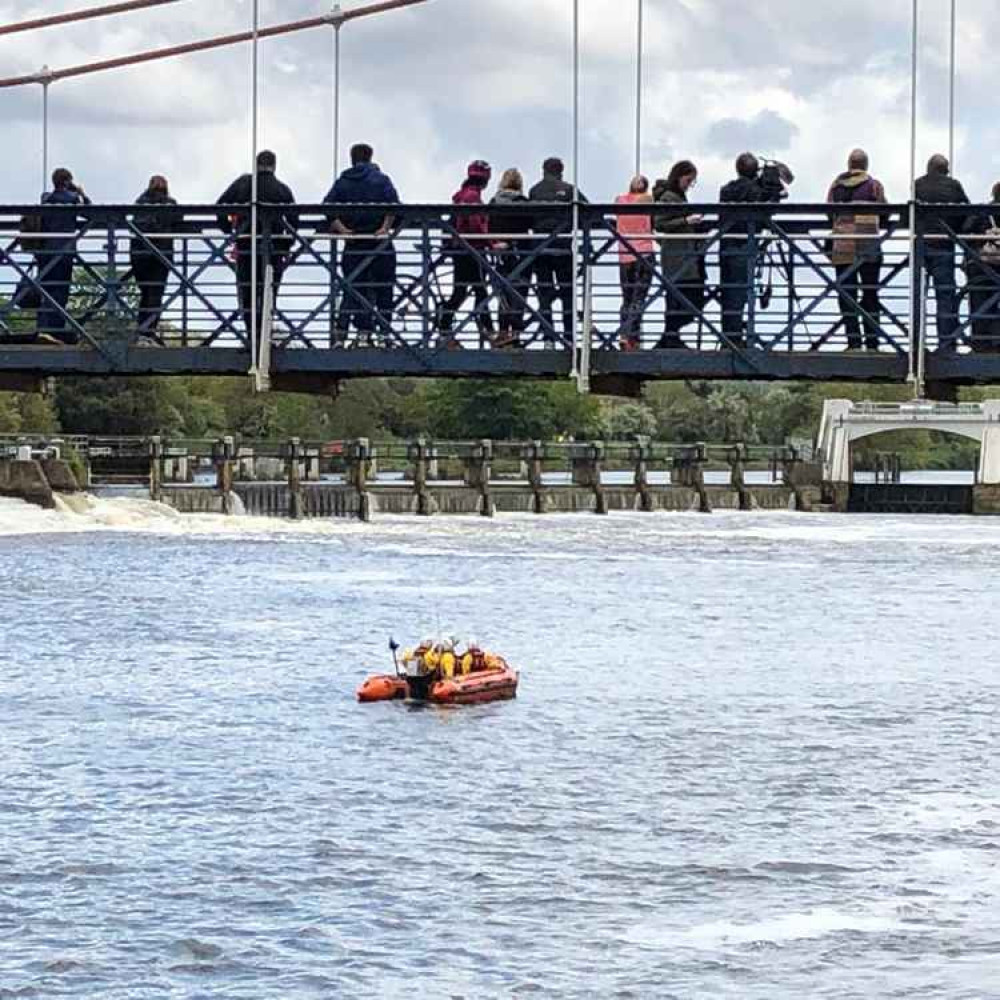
[(754, 756)]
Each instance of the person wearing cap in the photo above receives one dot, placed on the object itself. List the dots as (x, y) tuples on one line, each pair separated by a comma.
[(554, 265), (466, 247)]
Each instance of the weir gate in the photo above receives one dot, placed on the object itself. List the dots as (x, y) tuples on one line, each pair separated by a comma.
[(334, 307)]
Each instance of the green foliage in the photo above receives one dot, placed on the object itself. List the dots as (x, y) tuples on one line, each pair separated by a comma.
[(509, 410), (22, 412)]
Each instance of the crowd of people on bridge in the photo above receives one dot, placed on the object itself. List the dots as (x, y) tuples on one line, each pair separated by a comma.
[(516, 248)]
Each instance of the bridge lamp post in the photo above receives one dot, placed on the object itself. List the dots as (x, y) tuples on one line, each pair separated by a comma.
[(951, 87), (44, 77), (337, 20), (254, 185)]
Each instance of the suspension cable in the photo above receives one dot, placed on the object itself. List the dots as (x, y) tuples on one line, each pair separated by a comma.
[(211, 43), (81, 15)]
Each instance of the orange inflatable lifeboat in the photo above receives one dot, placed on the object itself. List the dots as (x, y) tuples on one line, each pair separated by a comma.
[(439, 673)]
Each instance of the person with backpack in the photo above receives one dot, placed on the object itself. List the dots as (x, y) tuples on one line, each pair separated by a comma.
[(855, 251), (512, 247), (466, 249), (55, 256), (983, 276), (276, 226), (938, 187), (152, 256)]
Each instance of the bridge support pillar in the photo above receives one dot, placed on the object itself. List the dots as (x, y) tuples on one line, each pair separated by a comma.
[(224, 457), (641, 453), (424, 458), (156, 469), (293, 459), (986, 499), (478, 468), (989, 457), (587, 461), (688, 469), (533, 456), (736, 457), (360, 467)]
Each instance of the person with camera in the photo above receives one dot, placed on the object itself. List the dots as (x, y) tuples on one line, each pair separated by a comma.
[(855, 251), (56, 255), (737, 251), (938, 187), (681, 256)]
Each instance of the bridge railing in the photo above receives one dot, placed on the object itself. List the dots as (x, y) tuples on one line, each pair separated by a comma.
[(768, 280)]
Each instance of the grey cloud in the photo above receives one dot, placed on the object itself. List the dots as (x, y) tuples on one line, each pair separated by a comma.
[(767, 132)]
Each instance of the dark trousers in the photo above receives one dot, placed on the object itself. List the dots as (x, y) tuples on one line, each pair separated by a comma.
[(469, 277), (369, 271), (861, 285), (940, 266), (244, 280), (636, 277), (513, 296), (151, 276), (55, 276), (679, 313), (554, 275), (734, 270)]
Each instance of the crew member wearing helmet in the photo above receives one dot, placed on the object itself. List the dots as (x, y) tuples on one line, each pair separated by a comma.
[(467, 249)]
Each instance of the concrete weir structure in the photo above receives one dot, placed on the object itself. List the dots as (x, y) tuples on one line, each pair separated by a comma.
[(478, 478), (38, 479)]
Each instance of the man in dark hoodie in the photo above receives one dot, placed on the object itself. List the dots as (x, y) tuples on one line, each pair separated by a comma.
[(275, 225), (735, 254), (937, 187), (858, 262), (368, 259), (554, 266)]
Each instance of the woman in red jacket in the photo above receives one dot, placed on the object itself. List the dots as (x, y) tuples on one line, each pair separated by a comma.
[(473, 228)]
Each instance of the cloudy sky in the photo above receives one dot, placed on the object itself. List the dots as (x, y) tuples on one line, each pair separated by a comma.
[(454, 80)]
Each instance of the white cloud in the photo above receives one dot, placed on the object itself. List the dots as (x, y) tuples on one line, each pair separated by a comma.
[(454, 80)]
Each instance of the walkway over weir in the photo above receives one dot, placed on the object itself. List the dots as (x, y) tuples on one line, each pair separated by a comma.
[(844, 422), (795, 326)]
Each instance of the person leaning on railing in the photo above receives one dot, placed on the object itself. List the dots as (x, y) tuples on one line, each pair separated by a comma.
[(554, 264), (937, 187), (55, 258), (735, 255), (635, 262), (983, 275), (472, 229), (151, 256), (681, 253), (368, 258), (513, 246), (275, 229), (855, 251)]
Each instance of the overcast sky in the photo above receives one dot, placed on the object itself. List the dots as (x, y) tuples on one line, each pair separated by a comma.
[(454, 80)]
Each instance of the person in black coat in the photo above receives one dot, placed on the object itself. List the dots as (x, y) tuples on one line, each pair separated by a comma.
[(152, 256), (983, 272), (937, 187), (277, 222), (735, 255), (56, 256), (554, 266)]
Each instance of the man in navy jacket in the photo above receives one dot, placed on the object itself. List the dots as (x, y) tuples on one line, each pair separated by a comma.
[(368, 258)]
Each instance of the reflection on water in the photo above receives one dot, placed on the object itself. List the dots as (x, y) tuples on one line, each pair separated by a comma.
[(754, 756)]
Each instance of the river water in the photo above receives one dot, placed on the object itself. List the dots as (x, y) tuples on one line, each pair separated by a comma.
[(753, 756)]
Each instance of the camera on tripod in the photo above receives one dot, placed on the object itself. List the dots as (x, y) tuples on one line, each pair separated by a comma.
[(774, 178)]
